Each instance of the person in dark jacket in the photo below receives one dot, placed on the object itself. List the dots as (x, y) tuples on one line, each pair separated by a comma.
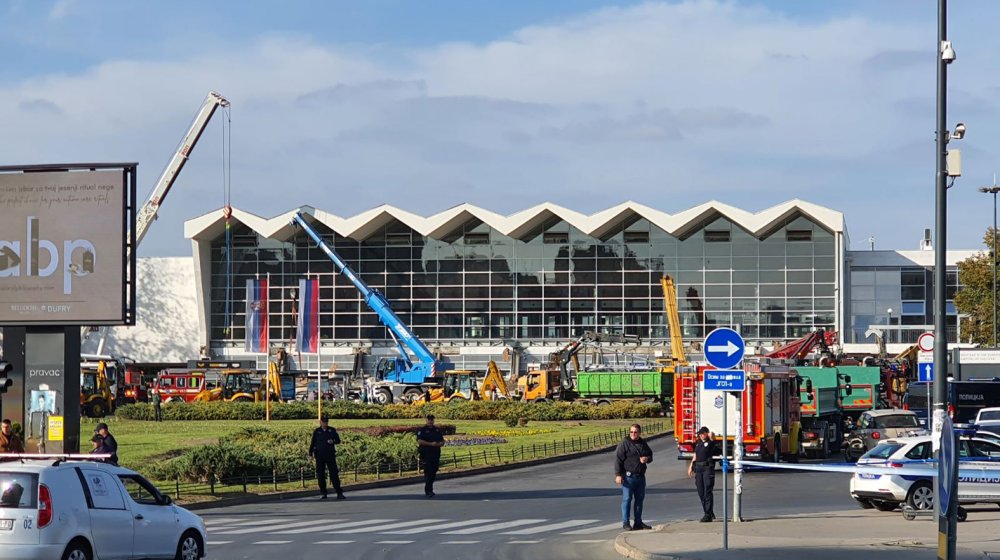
[(157, 401), (110, 443), (9, 442), (98, 447), (430, 441), (631, 458), (702, 469), (323, 449)]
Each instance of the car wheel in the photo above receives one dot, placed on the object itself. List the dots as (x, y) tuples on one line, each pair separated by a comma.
[(777, 449), (189, 547), (864, 503), (97, 408), (962, 514), (884, 506), (411, 396), (920, 496), (78, 550), (383, 396)]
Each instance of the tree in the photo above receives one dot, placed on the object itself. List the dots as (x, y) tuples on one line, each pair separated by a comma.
[(975, 299)]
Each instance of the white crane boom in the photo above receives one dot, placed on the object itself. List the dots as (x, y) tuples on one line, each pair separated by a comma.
[(148, 213)]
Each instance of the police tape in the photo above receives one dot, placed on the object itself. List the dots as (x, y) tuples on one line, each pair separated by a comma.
[(989, 470)]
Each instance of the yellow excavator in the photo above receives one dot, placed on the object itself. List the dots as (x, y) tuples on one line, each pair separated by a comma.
[(242, 385), (461, 385)]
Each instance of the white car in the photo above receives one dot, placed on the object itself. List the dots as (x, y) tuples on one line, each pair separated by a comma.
[(78, 509), (886, 491), (988, 419)]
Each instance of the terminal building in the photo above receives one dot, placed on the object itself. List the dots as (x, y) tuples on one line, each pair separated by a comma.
[(475, 285)]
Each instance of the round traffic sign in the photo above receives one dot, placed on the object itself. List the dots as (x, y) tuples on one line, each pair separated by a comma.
[(925, 342), (724, 348)]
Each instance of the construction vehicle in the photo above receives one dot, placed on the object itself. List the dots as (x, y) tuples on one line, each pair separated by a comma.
[(102, 385), (179, 385), (834, 390), (678, 356), (771, 415), (398, 379), (897, 372), (463, 386), (239, 382), (149, 211), (605, 387)]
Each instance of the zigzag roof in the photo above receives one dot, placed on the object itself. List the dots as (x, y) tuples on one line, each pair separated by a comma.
[(359, 227)]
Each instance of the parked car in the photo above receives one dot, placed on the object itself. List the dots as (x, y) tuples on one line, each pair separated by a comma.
[(877, 425), (988, 419), (82, 510), (886, 491)]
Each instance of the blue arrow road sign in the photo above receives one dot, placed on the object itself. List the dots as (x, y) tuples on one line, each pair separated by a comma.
[(724, 348), (724, 380), (925, 372)]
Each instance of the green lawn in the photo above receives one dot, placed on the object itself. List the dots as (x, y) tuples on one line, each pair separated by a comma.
[(141, 442)]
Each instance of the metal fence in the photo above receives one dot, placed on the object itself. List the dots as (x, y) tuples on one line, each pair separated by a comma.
[(466, 458)]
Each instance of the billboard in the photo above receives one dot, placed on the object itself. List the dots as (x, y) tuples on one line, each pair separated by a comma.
[(64, 238)]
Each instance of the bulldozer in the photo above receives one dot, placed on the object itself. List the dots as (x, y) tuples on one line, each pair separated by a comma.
[(241, 385), (462, 385)]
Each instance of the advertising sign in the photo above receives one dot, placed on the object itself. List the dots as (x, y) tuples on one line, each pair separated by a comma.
[(43, 386), (63, 247)]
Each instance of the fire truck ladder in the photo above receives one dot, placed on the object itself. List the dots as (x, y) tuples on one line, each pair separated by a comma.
[(688, 421)]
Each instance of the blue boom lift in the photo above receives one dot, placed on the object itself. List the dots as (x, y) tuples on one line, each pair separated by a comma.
[(401, 378)]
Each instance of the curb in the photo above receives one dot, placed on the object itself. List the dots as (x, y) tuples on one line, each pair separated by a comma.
[(255, 498), (628, 550)]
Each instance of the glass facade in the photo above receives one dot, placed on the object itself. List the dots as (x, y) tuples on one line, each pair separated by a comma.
[(550, 283), (897, 297)]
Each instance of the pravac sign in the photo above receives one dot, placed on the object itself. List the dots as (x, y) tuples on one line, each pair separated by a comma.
[(63, 246)]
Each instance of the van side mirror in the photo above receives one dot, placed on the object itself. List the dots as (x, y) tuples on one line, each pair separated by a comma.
[(810, 396), (165, 500), (809, 386), (847, 390)]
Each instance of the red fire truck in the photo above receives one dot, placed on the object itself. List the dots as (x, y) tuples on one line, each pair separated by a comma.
[(177, 385), (771, 410)]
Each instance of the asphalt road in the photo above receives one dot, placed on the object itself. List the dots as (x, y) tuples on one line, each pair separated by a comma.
[(562, 510)]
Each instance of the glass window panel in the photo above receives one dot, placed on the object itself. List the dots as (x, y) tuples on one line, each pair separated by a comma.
[(637, 291), (744, 290), (451, 292), (609, 304), (799, 304), (502, 304), (718, 290), (887, 277), (609, 291), (609, 277), (772, 290), (799, 276), (583, 305), (637, 278), (913, 308), (745, 276), (717, 277), (912, 277), (695, 264), (913, 292), (863, 292), (862, 277), (772, 277), (529, 305), (799, 290), (799, 263), (690, 277), (744, 304), (499, 291), (584, 278), (529, 292), (799, 249), (863, 307), (887, 292), (823, 290), (583, 291), (744, 263), (718, 304)]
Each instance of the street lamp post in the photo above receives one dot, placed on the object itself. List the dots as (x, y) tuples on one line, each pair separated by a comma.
[(888, 327), (994, 190)]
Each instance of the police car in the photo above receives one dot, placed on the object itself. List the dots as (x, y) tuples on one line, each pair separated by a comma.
[(979, 479), (73, 508)]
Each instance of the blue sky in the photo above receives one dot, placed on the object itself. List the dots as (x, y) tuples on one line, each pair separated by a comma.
[(348, 105)]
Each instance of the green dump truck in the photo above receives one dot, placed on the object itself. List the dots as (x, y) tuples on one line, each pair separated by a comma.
[(605, 387), (829, 395)]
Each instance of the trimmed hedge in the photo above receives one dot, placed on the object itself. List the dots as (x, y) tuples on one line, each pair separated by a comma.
[(509, 412)]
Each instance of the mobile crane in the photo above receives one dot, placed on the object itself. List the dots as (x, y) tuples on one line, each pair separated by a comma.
[(149, 211), (396, 379), (678, 357)]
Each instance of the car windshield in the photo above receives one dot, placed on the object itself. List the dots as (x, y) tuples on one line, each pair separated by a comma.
[(989, 415), (883, 450), (18, 490), (897, 421)]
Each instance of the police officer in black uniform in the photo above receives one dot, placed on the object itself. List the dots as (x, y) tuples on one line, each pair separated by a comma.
[(430, 441), (323, 449), (702, 468)]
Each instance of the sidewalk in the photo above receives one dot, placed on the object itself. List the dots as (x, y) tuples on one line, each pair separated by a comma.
[(834, 535)]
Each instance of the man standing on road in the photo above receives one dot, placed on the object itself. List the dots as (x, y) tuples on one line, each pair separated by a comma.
[(430, 440), (110, 443), (323, 449), (702, 468), (631, 458), (9, 443)]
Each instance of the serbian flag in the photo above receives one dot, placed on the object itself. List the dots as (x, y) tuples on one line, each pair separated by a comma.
[(308, 324), (256, 316)]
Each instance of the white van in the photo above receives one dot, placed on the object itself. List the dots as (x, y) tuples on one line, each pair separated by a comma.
[(74, 508)]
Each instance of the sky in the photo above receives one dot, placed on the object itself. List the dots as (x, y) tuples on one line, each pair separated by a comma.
[(347, 105)]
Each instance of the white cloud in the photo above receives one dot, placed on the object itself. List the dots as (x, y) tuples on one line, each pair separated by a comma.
[(667, 104), (62, 8)]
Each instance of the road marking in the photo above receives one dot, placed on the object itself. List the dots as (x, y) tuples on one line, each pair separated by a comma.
[(523, 542), (395, 542), (380, 528), (598, 529), (284, 526), (218, 543), (555, 527), (461, 542), (219, 520), (351, 524), (465, 523), (272, 542), (590, 541), (333, 542), (495, 526), (252, 523)]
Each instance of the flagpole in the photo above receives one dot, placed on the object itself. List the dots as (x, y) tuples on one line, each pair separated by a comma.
[(267, 357)]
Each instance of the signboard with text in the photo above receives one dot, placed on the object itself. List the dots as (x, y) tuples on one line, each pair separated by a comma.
[(64, 238)]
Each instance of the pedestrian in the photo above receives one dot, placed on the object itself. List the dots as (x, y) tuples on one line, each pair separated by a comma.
[(323, 448), (99, 447), (702, 468), (9, 442), (109, 442), (631, 458), (157, 411), (430, 440)]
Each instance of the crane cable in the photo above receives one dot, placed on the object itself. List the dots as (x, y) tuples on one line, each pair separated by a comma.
[(227, 162)]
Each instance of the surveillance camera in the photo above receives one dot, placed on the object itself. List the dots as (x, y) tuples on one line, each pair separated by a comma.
[(959, 131), (947, 52)]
